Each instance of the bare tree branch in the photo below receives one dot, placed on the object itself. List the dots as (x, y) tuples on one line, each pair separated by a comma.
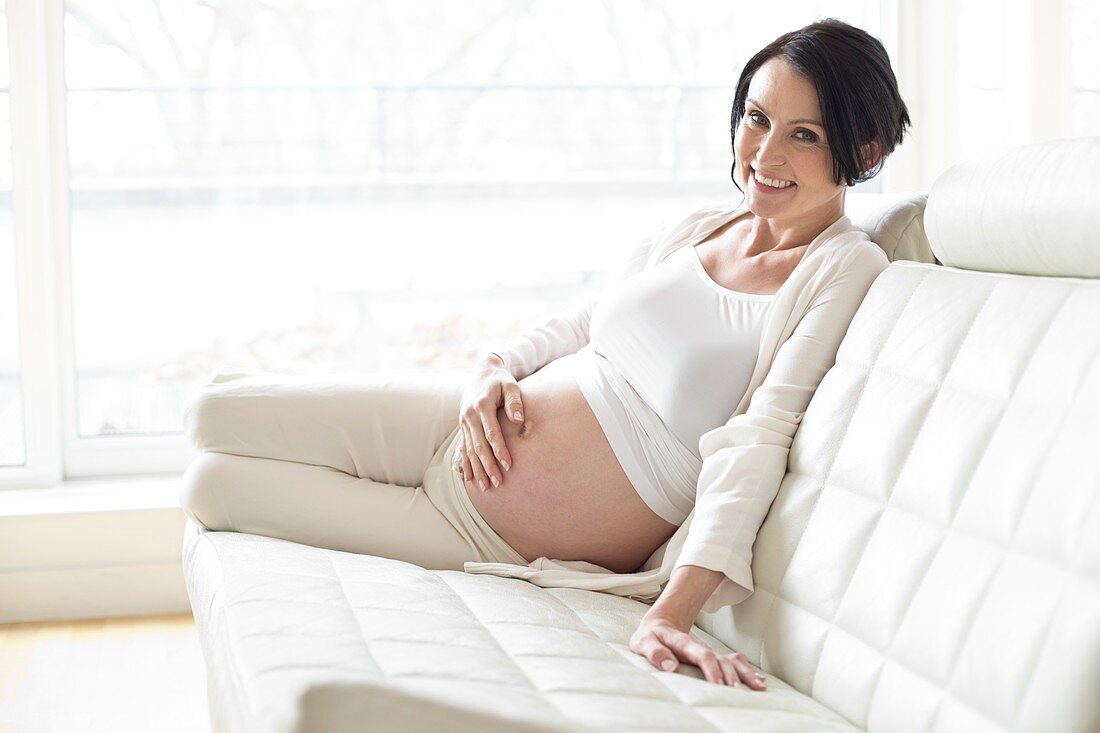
[(472, 39), (181, 60), (100, 34)]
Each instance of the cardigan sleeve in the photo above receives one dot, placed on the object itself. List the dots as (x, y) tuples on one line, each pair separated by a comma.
[(565, 331), (745, 460)]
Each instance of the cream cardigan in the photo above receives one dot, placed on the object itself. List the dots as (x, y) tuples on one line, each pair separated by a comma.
[(745, 459)]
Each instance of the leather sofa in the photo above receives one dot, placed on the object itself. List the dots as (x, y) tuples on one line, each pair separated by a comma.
[(931, 562)]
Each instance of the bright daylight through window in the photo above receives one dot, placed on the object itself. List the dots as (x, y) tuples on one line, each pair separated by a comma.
[(327, 190), (11, 397), (383, 186)]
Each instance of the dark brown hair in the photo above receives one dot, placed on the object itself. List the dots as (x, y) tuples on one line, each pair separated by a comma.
[(856, 90)]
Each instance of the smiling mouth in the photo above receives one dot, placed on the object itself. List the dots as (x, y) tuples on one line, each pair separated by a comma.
[(775, 184)]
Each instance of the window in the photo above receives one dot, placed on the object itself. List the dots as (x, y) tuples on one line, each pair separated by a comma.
[(1085, 60), (368, 186), (12, 449), (387, 185), (986, 75), (395, 184)]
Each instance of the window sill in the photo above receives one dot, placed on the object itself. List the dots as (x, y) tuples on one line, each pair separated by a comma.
[(160, 491)]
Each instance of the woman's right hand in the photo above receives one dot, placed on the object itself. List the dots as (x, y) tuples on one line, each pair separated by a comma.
[(481, 451)]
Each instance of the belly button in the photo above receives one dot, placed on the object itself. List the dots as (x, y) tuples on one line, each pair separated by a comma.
[(523, 430)]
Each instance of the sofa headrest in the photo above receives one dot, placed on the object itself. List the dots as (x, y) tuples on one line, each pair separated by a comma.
[(893, 221), (1032, 210)]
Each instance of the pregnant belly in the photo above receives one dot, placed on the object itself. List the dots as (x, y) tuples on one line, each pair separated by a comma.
[(566, 496)]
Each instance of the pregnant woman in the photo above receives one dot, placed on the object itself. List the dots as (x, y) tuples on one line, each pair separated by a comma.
[(631, 444)]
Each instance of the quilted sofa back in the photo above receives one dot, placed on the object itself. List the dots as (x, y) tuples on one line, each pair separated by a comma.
[(932, 559)]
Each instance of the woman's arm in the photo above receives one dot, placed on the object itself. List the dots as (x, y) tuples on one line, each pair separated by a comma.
[(662, 636), (744, 462), (562, 332), (681, 600), (566, 331)]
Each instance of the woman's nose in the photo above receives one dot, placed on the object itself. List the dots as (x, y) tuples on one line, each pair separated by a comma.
[(771, 149)]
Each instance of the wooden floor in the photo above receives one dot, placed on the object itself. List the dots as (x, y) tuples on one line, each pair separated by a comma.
[(126, 674)]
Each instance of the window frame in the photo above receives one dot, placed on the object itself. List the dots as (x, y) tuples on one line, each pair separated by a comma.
[(41, 225), (922, 39)]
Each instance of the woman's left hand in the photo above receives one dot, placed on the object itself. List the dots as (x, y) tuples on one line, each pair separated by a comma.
[(659, 641)]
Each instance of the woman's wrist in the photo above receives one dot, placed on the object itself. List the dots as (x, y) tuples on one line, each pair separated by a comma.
[(688, 589)]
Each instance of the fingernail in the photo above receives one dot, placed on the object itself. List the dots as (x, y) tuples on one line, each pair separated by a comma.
[(517, 415), (736, 683), (667, 665), (505, 464), (481, 483), (494, 480)]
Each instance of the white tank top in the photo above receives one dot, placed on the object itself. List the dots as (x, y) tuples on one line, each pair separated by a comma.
[(669, 357)]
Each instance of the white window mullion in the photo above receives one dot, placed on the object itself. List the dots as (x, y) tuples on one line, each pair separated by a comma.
[(42, 244), (33, 215), (927, 70), (1051, 73)]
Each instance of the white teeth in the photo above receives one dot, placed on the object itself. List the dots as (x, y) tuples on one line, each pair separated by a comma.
[(773, 183)]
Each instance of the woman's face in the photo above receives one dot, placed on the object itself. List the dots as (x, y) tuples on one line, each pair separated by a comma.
[(781, 138)]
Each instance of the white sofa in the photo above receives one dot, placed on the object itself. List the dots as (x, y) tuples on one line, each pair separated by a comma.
[(931, 563)]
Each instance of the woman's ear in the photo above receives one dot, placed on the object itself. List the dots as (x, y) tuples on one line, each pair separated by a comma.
[(872, 155)]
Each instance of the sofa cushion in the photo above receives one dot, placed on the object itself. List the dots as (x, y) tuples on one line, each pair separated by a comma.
[(1030, 211), (932, 559), (276, 619), (893, 221)]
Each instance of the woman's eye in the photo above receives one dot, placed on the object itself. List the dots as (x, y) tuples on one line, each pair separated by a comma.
[(757, 118), (810, 137)]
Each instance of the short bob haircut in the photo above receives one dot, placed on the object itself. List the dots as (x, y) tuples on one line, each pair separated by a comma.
[(856, 90)]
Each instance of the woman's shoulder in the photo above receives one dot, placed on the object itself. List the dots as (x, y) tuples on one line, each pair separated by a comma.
[(690, 220), (706, 216), (710, 211), (662, 240), (846, 242)]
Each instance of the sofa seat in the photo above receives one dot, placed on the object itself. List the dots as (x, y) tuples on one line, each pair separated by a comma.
[(276, 618)]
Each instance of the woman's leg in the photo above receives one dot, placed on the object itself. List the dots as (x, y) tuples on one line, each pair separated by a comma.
[(336, 461), (383, 427), (323, 507), (330, 460)]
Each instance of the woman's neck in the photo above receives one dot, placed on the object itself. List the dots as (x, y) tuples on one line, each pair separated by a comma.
[(776, 235)]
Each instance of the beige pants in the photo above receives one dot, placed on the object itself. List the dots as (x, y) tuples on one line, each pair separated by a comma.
[(360, 463)]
